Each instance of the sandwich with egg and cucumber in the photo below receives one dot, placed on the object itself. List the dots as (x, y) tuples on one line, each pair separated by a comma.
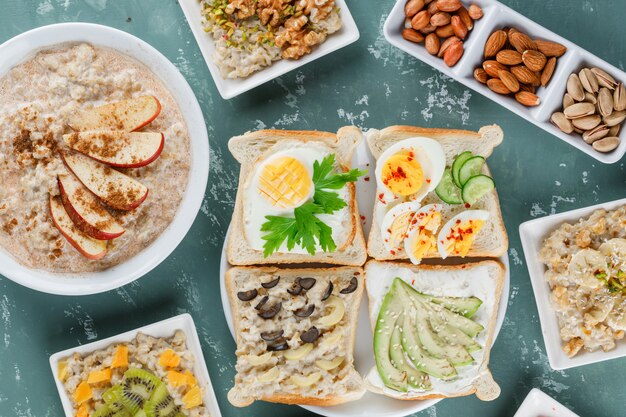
[(296, 200), (435, 197), (433, 328), (295, 331)]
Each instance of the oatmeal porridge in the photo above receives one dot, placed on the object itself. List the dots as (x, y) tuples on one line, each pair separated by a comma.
[(38, 98), (125, 378), (586, 270)]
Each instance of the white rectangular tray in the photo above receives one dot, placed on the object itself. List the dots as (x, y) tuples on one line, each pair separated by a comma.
[(230, 88), (532, 234), (537, 403), (165, 328), (497, 16)]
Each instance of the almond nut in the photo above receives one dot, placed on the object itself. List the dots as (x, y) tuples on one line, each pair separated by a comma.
[(605, 101), (412, 7), (449, 5), (588, 80), (493, 68), (497, 86), (607, 144), (527, 87), (440, 19), (465, 18), (432, 8), (619, 97), (453, 53), (428, 29), (534, 60), (527, 99), (522, 42), (509, 81), (587, 122), (446, 44), (420, 20), (563, 123), (495, 42), (475, 11), (604, 79), (575, 88), (524, 75), (548, 70), (412, 35), (481, 75), (432, 44), (509, 57), (458, 27), (444, 31), (578, 110), (549, 48)]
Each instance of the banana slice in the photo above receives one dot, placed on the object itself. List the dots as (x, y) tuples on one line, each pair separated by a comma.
[(329, 365), (299, 353), (256, 360), (617, 317), (602, 306), (338, 310), (269, 376), (614, 248), (306, 381), (584, 265)]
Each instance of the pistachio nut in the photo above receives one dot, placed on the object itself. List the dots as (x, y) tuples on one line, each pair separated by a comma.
[(604, 79), (605, 102), (568, 100), (563, 123), (619, 97), (615, 118), (607, 144), (614, 130), (588, 80), (596, 133), (587, 122), (590, 98), (575, 88), (578, 110)]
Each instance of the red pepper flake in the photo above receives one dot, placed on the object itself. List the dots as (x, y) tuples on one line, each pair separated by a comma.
[(389, 230), (428, 180), (366, 178), (412, 282), (362, 217), (458, 221), (393, 252), (467, 205)]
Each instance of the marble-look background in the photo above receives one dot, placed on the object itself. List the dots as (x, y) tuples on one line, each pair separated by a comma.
[(368, 84)]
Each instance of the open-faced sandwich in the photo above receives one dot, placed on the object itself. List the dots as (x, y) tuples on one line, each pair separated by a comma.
[(296, 199), (295, 332), (435, 197), (433, 328)]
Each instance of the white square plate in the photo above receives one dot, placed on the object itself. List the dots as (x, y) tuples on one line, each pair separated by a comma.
[(538, 403), (532, 234), (165, 328), (230, 88)]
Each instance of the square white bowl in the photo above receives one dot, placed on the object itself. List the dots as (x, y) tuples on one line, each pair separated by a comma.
[(229, 88), (538, 403), (165, 328), (532, 234)]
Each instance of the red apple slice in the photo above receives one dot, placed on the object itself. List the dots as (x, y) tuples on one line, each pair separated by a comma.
[(126, 115), (118, 148), (115, 189), (90, 248), (85, 210)]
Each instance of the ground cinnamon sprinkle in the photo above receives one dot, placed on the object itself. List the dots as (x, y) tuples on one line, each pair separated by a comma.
[(105, 145), (9, 226)]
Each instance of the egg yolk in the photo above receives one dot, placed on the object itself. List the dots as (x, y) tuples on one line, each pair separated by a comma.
[(460, 238), (285, 182), (425, 241), (403, 174), (398, 229)]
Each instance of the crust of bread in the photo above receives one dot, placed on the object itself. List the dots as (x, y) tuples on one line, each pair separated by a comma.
[(351, 311), (493, 318), (453, 141), (252, 146)]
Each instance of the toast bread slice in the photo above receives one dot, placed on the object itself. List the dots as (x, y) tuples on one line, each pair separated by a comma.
[(492, 240), (336, 386), (493, 272), (253, 147)]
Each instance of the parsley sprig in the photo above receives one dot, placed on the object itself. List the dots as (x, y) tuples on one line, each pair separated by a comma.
[(305, 228)]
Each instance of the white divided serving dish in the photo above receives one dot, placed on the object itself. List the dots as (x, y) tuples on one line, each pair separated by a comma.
[(165, 328), (497, 16), (538, 403), (229, 88), (532, 234)]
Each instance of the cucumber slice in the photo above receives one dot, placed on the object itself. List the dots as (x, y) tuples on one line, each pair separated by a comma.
[(476, 187), (470, 168), (447, 189), (457, 164)]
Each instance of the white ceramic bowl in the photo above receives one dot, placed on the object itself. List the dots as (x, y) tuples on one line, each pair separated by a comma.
[(24, 46), (532, 234), (538, 403), (497, 16), (230, 88), (165, 328)]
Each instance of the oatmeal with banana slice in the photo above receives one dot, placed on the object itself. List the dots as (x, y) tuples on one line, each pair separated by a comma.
[(586, 270), (94, 159)]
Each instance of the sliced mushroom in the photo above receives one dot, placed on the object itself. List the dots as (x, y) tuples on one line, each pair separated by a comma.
[(270, 284), (280, 344), (306, 283), (247, 295), (328, 292), (272, 336), (270, 312), (305, 311), (295, 289), (354, 283), (261, 303), (310, 335)]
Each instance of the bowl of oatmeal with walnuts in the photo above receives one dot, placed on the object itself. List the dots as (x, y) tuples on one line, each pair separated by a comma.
[(103, 158)]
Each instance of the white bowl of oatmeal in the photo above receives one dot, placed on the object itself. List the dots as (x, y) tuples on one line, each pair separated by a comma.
[(50, 73), (245, 57), (574, 263), (168, 350)]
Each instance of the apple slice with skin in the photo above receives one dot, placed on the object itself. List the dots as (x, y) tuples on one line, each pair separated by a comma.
[(126, 115), (118, 148), (116, 190), (90, 248), (85, 210)]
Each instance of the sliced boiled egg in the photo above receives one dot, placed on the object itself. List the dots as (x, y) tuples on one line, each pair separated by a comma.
[(411, 168), (457, 235), (285, 182), (395, 225), (421, 238)]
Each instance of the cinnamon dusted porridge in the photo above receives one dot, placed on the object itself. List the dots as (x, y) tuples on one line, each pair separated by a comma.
[(37, 98)]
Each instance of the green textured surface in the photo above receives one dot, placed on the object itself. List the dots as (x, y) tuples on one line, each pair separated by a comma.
[(369, 84)]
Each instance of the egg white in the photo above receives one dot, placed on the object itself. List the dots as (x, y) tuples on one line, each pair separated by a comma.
[(391, 216), (450, 224), (413, 232), (256, 207)]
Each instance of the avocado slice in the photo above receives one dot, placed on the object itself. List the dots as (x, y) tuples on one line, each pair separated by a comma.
[(467, 306), (416, 379), (453, 335)]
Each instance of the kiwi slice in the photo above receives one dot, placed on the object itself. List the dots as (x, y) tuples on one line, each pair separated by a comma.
[(106, 411), (113, 398), (137, 388), (161, 404)]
